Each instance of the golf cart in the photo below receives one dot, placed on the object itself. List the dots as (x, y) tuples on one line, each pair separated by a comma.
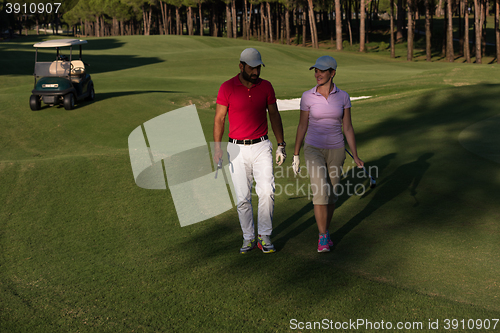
[(62, 81)]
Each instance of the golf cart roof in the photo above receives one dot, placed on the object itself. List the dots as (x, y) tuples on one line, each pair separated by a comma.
[(60, 43)]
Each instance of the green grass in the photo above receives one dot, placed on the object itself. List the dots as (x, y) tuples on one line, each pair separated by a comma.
[(83, 249)]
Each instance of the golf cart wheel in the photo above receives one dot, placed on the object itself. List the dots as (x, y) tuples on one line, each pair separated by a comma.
[(91, 96), (69, 101), (35, 103)]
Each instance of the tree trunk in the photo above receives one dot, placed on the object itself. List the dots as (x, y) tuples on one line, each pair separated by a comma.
[(362, 37), (370, 16), (235, 21), (147, 21), (349, 17), (103, 26), (312, 23), (477, 29), (287, 26), (170, 18), (266, 25), (449, 34), (228, 22), (331, 23), (200, 12), (215, 18), (269, 24), (445, 31), (295, 25), (409, 50), (428, 33), (178, 23), (263, 24), (189, 17), (497, 29), (484, 10), (244, 20), (338, 25), (460, 28), (393, 47), (97, 29), (400, 19), (278, 16), (163, 7), (250, 25), (466, 33), (279, 25), (26, 25), (304, 27), (439, 8), (115, 27), (146, 17)]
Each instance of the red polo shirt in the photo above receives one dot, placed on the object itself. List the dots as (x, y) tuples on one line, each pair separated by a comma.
[(247, 108)]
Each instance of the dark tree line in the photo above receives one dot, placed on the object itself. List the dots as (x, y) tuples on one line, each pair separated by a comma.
[(343, 22), (462, 11)]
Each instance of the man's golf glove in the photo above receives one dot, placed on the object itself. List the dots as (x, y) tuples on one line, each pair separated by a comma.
[(296, 164), (280, 155)]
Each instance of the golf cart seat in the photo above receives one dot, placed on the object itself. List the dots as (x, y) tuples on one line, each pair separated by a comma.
[(78, 67), (59, 68), (77, 70)]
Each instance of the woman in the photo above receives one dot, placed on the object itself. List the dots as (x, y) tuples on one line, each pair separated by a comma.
[(325, 111)]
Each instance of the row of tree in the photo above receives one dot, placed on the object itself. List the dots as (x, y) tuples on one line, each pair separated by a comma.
[(341, 21), (454, 8)]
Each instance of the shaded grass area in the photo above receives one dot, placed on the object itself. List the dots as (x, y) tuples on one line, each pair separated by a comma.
[(123, 263), (429, 188), (84, 249)]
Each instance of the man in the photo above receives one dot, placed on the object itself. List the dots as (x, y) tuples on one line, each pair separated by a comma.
[(245, 98)]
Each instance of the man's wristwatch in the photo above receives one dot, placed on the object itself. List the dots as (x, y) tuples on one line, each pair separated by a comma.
[(282, 144)]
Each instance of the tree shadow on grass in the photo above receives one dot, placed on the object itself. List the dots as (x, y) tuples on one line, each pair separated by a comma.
[(104, 96), (350, 182), (19, 59), (406, 177), (116, 94), (425, 133), (279, 243), (454, 113)]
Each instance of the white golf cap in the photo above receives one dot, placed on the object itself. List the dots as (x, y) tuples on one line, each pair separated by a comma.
[(251, 57), (325, 62)]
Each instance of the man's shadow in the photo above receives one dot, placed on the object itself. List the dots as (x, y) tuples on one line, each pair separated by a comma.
[(280, 242), (404, 178)]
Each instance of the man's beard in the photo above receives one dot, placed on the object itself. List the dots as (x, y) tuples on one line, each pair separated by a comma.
[(249, 78)]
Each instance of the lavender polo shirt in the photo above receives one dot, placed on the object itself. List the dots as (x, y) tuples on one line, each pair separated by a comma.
[(325, 117)]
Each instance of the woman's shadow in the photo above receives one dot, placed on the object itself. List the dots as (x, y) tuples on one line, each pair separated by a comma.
[(405, 177), (280, 242)]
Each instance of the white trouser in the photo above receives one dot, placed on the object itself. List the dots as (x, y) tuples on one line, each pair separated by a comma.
[(248, 163)]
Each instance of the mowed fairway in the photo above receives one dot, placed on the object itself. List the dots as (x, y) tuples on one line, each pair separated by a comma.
[(83, 249)]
